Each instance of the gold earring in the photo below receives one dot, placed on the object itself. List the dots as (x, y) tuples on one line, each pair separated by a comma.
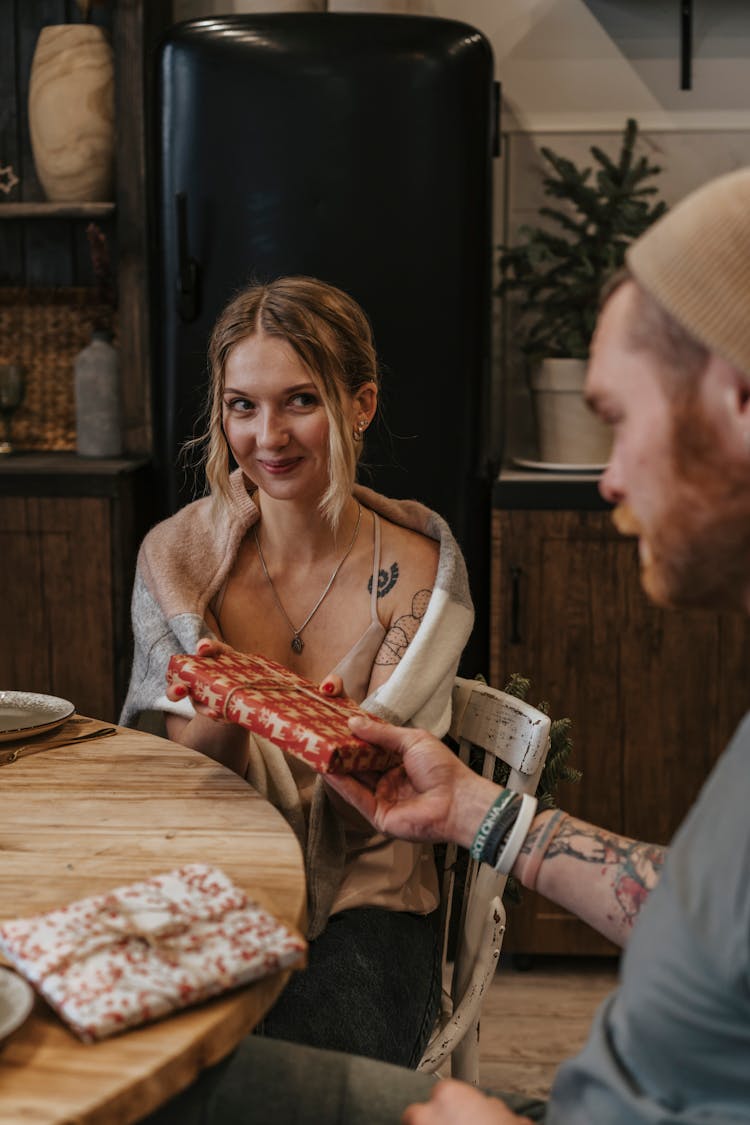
[(359, 430)]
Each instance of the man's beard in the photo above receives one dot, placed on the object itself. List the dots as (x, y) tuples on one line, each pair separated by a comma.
[(699, 553)]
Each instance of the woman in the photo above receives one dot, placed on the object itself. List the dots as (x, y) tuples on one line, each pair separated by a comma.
[(289, 558)]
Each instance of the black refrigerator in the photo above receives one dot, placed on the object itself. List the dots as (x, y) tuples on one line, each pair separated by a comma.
[(357, 149)]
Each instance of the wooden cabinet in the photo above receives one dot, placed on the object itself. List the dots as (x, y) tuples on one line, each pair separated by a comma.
[(654, 695), (69, 533), (69, 528)]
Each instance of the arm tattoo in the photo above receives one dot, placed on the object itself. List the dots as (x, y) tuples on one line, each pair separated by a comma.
[(403, 630), (386, 581), (632, 867)]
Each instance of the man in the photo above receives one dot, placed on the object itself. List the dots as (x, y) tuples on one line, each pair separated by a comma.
[(670, 371)]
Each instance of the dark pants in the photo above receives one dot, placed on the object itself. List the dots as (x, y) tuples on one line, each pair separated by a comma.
[(265, 1082), (372, 987)]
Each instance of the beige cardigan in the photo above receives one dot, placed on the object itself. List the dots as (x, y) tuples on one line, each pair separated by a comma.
[(182, 564)]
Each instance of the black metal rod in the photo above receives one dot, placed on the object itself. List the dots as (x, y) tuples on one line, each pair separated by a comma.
[(686, 44)]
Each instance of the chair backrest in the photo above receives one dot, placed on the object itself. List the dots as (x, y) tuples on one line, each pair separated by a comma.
[(487, 724)]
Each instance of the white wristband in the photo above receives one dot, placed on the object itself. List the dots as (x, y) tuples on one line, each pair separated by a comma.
[(518, 834)]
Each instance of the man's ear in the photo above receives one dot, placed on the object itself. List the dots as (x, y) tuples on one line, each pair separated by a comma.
[(743, 395), (732, 387), (743, 407), (740, 384)]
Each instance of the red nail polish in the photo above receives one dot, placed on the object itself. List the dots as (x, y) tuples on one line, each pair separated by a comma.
[(327, 688), (180, 690)]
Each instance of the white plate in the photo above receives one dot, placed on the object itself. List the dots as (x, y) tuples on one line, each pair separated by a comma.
[(557, 466), (16, 1001), (25, 713)]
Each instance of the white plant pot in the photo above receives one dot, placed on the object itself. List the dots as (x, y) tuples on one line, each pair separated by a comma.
[(569, 433)]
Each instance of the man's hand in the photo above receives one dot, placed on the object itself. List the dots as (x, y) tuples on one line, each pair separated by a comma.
[(432, 796), (456, 1103)]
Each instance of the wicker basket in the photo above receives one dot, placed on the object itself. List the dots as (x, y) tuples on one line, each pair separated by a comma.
[(43, 330)]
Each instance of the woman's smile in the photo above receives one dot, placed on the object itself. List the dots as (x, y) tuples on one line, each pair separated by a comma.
[(279, 467)]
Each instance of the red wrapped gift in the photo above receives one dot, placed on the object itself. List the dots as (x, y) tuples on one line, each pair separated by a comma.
[(290, 711)]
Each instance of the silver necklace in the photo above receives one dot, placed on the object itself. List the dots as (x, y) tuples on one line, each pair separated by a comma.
[(297, 643)]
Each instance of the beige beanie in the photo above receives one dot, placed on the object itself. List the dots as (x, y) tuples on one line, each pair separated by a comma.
[(695, 261)]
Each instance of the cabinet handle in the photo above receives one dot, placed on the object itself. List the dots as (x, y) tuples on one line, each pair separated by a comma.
[(188, 280), (515, 604)]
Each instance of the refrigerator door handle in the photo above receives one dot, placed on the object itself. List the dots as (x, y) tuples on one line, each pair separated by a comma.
[(188, 280)]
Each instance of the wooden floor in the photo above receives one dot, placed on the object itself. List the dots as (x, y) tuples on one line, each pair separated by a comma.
[(533, 1019)]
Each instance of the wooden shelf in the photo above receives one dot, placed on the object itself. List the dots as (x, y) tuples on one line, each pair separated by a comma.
[(81, 210)]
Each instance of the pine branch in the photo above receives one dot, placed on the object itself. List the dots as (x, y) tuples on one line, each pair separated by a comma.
[(558, 270)]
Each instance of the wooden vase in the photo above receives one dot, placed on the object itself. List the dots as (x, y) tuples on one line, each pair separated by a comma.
[(71, 113)]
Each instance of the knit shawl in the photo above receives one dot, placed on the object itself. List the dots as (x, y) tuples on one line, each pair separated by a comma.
[(184, 562)]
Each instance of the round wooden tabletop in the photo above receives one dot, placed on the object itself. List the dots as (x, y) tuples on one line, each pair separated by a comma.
[(80, 820)]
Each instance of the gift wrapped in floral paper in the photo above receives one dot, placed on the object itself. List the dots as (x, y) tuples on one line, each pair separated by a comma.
[(290, 711), (115, 960)]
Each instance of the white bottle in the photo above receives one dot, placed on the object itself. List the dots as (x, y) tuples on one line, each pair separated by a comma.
[(97, 393)]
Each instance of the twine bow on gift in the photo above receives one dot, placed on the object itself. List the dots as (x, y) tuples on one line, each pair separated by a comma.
[(115, 919)]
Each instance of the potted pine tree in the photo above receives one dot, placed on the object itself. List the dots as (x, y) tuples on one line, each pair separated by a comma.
[(554, 276)]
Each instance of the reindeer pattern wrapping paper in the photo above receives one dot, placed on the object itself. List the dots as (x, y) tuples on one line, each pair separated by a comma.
[(116, 960), (270, 700)]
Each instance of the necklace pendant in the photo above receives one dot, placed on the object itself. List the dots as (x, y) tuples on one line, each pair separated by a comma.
[(297, 644)]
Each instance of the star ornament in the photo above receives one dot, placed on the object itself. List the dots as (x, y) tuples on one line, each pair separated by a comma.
[(8, 178)]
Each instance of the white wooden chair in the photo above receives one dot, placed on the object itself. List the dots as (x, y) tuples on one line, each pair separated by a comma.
[(502, 727)]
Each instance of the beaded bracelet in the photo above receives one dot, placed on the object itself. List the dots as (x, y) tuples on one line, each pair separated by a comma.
[(520, 830), (490, 817)]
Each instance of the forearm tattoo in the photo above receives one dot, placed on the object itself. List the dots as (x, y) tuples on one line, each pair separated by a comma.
[(403, 630), (632, 867)]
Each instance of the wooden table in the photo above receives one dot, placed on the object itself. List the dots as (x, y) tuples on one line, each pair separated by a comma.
[(79, 820)]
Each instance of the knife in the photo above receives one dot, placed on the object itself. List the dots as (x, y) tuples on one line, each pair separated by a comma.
[(9, 756)]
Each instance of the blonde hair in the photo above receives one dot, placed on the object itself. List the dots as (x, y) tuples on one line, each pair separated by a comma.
[(331, 335)]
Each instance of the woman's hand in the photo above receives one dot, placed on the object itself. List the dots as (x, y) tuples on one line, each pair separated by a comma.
[(208, 730), (333, 687), (456, 1103), (431, 797), (176, 692)]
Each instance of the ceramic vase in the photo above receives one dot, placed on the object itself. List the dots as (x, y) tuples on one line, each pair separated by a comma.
[(97, 395), (569, 433), (71, 113)]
